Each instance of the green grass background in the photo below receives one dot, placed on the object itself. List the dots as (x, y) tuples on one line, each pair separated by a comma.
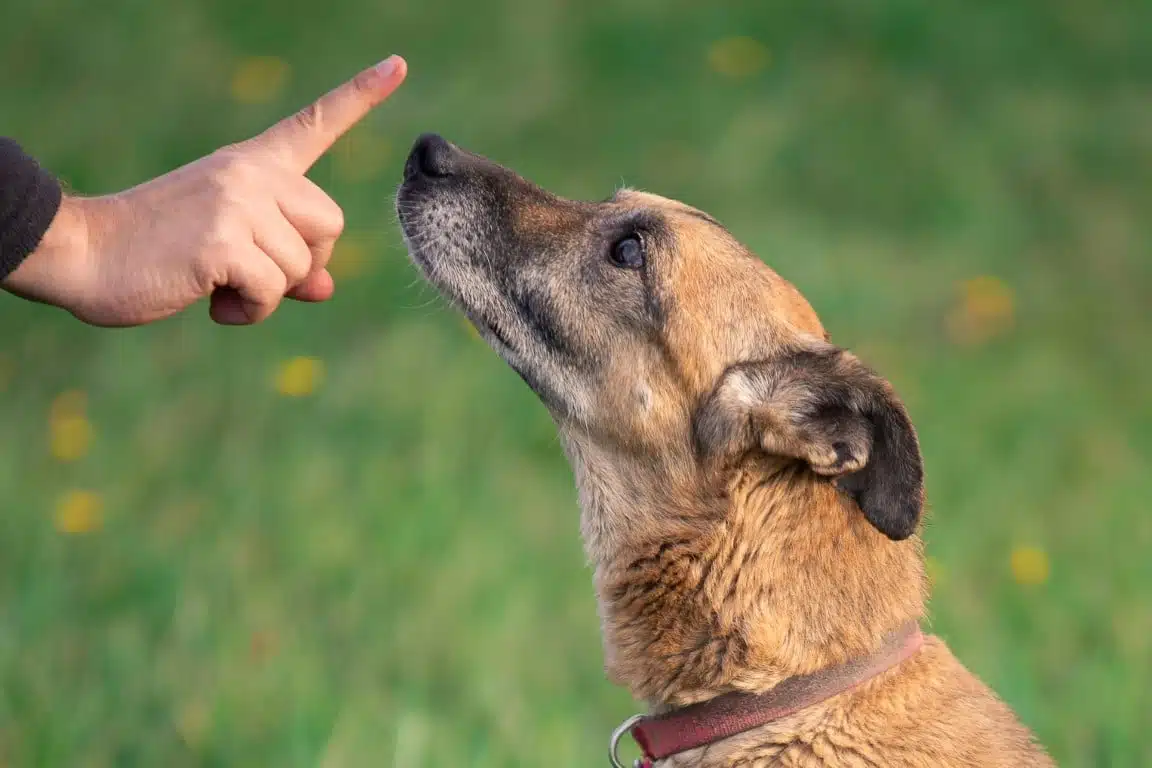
[(388, 572)]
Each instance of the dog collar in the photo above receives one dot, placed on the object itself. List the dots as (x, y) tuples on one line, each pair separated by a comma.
[(697, 725)]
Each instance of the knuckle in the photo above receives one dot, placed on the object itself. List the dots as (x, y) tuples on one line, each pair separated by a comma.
[(310, 118), (336, 220), (232, 152), (209, 268), (229, 159), (276, 288), (322, 252), (265, 290), (217, 179), (225, 183), (297, 269), (327, 217), (292, 263), (365, 82), (241, 172), (240, 168)]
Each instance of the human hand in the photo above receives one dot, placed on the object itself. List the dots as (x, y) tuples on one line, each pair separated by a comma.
[(242, 225)]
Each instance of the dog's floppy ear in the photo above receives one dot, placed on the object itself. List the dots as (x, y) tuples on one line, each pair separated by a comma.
[(823, 406)]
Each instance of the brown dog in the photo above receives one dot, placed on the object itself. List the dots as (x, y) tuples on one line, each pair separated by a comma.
[(750, 493)]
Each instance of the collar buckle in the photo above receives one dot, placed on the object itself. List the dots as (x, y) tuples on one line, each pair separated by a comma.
[(614, 744)]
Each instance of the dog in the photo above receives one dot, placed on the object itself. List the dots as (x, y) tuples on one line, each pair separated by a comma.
[(750, 494)]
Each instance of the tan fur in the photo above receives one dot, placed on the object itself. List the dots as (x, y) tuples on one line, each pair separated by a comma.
[(736, 583), (735, 570)]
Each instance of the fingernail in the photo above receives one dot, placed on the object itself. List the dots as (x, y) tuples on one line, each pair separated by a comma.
[(386, 67)]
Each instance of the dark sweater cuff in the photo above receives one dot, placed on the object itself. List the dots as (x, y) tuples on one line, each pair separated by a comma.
[(29, 200)]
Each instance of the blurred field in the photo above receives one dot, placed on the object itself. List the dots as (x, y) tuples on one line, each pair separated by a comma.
[(215, 553)]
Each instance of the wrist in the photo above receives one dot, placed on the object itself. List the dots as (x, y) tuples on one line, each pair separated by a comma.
[(58, 270)]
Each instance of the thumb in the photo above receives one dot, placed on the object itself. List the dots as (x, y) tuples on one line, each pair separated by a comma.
[(301, 139)]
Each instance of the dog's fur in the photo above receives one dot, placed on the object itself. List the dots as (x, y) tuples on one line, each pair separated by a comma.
[(750, 493)]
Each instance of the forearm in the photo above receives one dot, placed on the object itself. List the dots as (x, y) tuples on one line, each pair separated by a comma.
[(56, 270), (30, 199)]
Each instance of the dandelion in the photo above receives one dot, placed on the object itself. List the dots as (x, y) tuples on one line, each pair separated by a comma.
[(986, 309), (70, 438), (259, 79), (1030, 565), (299, 376), (737, 57), (79, 512)]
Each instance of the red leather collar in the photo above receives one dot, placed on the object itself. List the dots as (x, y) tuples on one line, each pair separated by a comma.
[(661, 736)]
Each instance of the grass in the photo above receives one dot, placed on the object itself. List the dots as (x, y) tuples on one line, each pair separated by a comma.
[(387, 569)]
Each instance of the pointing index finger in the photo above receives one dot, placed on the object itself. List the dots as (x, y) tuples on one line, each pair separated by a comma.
[(304, 137)]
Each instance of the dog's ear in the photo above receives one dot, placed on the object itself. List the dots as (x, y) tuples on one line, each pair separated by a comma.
[(822, 406)]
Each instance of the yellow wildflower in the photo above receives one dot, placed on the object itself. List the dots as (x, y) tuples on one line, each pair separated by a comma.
[(79, 512), (1030, 565), (299, 376), (70, 438)]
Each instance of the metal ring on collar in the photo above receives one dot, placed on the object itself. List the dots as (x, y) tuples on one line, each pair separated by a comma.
[(614, 745)]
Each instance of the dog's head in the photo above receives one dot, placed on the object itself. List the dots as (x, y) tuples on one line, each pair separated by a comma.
[(646, 327)]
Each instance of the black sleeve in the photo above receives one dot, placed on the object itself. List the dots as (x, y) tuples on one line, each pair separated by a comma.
[(29, 199)]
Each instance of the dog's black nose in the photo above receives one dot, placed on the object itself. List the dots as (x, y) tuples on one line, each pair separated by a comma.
[(431, 156)]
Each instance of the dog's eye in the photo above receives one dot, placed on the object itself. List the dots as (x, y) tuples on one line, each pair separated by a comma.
[(628, 253)]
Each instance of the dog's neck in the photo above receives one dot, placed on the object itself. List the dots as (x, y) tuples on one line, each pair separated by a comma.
[(704, 590)]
